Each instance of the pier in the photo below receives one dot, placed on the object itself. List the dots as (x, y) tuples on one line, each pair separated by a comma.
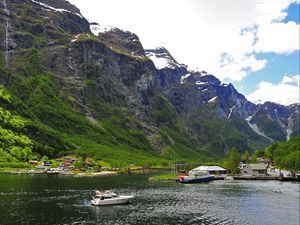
[(266, 178)]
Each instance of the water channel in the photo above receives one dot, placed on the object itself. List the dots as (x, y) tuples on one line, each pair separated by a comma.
[(58, 199)]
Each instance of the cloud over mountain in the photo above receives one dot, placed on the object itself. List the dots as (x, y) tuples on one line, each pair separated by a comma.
[(286, 92)]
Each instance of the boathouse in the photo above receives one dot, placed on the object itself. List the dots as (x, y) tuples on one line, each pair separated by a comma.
[(212, 170)]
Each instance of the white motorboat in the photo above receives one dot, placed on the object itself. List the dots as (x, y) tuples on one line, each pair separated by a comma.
[(196, 176), (110, 198)]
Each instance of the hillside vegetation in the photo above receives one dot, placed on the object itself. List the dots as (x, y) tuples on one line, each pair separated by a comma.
[(286, 155)]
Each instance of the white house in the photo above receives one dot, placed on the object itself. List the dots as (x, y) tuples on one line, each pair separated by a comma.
[(212, 170), (258, 170)]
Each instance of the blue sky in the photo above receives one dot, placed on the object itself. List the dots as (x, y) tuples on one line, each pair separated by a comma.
[(293, 13), (253, 44), (278, 65), (276, 68)]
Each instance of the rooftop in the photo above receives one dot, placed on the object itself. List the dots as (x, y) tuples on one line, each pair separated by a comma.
[(210, 168), (259, 166)]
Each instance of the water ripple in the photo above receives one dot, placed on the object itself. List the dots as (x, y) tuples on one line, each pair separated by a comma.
[(216, 203)]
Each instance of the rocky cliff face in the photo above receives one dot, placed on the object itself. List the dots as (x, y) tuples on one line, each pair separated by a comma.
[(109, 67), (86, 88), (175, 81), (224, 97), (276, 121), (269, 120)]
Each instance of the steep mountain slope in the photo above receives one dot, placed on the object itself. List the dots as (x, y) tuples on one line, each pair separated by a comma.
[(270, 121), (211, 91), (87, 89), (277, 121), (213, 113), (64, 80)]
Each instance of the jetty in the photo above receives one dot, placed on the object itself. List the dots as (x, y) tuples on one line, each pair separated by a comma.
[(255, 178)]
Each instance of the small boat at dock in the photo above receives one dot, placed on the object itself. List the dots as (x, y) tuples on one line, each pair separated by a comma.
[(196, 176), (54, 171), (110, 198)]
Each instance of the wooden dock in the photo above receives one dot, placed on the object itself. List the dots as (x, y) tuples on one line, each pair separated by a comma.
[(265, 178), (254, 178)]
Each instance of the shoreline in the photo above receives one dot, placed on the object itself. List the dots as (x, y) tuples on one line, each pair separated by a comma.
[(76, 173), (153, 178), (64, 173), (246, 178)]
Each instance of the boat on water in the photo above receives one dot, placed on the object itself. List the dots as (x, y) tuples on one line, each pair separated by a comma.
[(196, 176), (110, 198), (54, 171)]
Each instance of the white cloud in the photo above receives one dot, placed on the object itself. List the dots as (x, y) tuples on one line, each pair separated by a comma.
[(285, 93), (291, 80), (236, 68), (279, 38), (200, 33)]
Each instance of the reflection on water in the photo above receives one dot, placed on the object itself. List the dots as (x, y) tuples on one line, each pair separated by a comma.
[(66, 200)]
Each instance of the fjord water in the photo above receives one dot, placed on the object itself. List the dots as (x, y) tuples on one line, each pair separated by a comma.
[(54, 199)]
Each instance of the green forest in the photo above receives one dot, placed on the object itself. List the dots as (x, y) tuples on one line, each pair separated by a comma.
[(286, 155)]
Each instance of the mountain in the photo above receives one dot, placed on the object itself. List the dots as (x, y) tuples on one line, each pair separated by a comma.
[(88, 89), (270, 120), (276, 121)]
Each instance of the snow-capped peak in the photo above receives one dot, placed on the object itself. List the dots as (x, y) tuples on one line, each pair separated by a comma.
[(162, 58), (224, 84), (203, 73)]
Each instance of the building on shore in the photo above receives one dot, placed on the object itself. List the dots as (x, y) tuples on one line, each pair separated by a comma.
[(257, 170), (212, 170)]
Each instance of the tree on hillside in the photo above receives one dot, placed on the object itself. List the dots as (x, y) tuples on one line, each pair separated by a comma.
[(232, 161), (245, 157), (286, 155), (255, 155), (269, 151)]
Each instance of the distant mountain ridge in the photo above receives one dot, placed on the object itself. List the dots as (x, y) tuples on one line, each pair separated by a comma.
[(229, 102), (88, 89)]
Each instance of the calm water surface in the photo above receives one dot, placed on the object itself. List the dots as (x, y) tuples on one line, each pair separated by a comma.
[(52, 199)]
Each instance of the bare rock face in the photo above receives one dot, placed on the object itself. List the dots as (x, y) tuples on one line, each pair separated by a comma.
[(124, 41)]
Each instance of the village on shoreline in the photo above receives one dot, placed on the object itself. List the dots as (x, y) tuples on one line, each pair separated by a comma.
[(262, 170), (73, 166)]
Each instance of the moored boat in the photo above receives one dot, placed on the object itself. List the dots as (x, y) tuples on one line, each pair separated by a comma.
[(110, 198), (196, 176), (54, 171)]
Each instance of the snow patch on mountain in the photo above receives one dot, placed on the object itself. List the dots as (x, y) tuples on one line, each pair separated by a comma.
[(97, 28), (184, 77), (159, 62), (254, 127), (224, 84), (213, 99), (231, 110), (76, 38), (201, 83), (48, 7), (162, 58), (289, 130)]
